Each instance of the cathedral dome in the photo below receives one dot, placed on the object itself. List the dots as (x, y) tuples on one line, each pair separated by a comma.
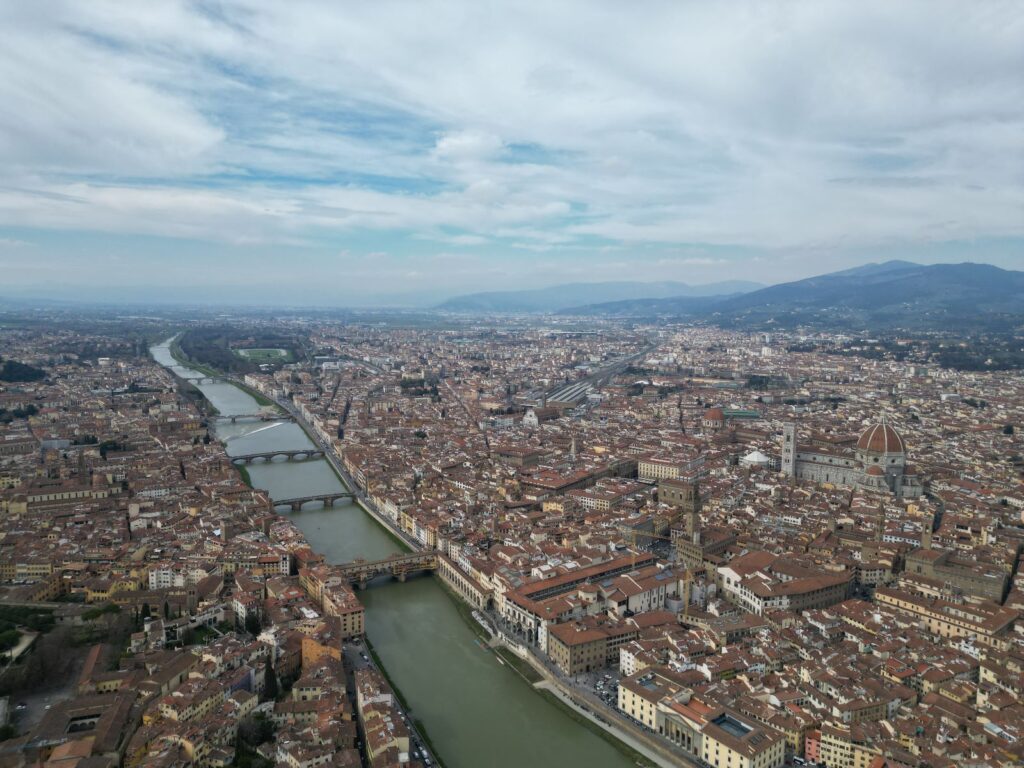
[(881, 438), (714, 414)]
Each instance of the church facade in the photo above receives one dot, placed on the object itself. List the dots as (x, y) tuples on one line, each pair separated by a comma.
[(878, 462)]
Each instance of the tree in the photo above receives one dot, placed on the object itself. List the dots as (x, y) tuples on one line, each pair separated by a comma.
[(12, 370), (46, 664), (1008, 429), (272, 688), (101, 611), (252, 624), (9, 638), (120, 633), (256, 730)]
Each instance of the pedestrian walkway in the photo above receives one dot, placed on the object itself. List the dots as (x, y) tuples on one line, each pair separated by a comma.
[(652, 747), (619, 733)]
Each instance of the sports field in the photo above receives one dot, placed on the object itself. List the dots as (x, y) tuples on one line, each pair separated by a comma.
[(264, 354)]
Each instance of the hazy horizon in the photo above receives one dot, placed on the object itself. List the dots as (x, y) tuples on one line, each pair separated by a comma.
[(213, 296)]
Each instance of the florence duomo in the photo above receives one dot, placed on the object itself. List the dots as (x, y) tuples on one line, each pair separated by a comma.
[(876, 460)]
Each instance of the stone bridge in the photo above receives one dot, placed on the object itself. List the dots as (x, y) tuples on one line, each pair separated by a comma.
[(298, 455), (208, 380), (255, 417), (327, 498), (362, 572)]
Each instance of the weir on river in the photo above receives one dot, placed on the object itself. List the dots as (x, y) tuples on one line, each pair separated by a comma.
[(478, 713)]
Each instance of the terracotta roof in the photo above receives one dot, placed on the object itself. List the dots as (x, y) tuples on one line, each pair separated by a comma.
[(881, 438)]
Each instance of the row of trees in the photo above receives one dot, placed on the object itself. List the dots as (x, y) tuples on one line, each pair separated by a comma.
[(7, 416), (12, 370), (211, 346), (47, 665), (37, 619)]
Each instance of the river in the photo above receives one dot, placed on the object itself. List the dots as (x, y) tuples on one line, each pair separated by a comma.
[(477, 712)]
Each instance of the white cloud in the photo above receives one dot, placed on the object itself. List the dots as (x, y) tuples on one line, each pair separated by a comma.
[(554, 127), (74, 106), (467, 145)]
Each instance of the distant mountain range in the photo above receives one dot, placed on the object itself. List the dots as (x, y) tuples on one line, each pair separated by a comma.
[(561, 297), (891, 295)]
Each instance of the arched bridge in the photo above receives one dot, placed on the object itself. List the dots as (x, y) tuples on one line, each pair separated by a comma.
[(399, 566), (299, 455), (255, 417), (209, 380), (327, 498)]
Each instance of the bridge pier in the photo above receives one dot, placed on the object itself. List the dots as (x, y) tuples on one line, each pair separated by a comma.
[(269, 456), (399, 567), (328, 499), (254, 417)]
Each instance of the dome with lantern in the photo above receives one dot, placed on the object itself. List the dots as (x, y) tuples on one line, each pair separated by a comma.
[(880, 438), (877, 461)]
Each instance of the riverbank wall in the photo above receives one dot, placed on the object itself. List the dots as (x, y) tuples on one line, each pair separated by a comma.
[(417, 727), (465, 589), (460, 586), (609, 721)]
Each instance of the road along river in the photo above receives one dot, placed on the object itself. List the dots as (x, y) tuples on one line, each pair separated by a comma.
[(477, 712)]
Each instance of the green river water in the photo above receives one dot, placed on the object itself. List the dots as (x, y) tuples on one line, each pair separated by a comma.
[(477, 712)]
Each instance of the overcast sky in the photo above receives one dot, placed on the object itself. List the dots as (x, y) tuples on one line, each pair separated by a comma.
[(310, 151)]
